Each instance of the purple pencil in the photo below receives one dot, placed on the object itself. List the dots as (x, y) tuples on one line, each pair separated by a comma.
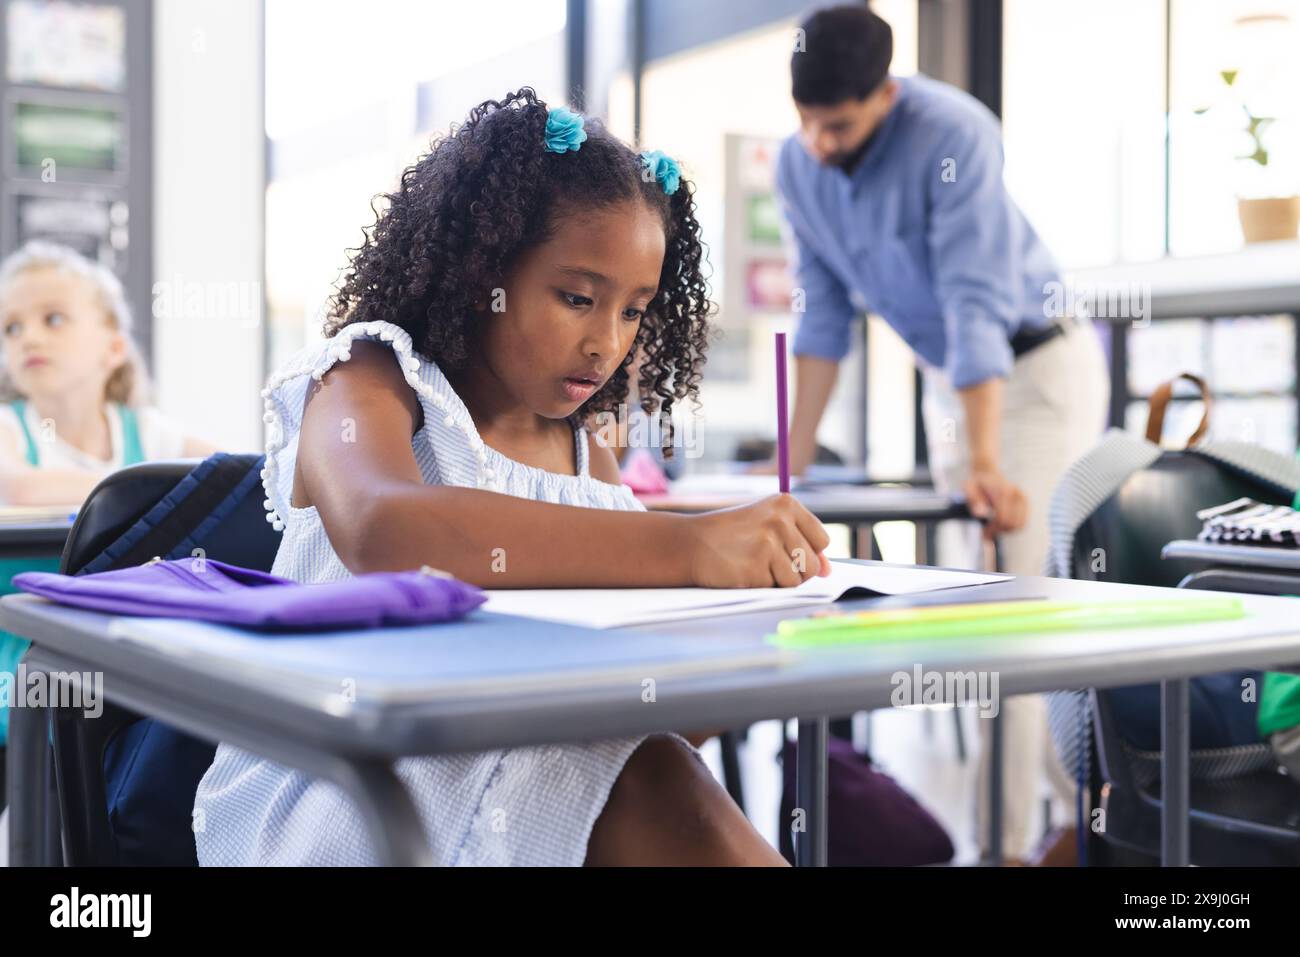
[(782, 425)]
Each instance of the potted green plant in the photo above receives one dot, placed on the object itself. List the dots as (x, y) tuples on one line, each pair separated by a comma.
[(1263, 218)]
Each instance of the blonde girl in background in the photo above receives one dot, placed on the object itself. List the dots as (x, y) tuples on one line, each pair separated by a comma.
[(74, 391), (74, 395)]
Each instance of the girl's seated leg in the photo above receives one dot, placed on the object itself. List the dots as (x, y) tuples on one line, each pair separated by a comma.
[(666, 808)]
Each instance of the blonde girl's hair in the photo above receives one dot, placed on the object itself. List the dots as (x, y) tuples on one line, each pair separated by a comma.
[(129, 383)]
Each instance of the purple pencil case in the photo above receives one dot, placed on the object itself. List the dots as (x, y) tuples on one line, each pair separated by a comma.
[(214, 591)]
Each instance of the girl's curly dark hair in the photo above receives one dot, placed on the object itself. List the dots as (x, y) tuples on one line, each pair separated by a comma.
[(486, 193)]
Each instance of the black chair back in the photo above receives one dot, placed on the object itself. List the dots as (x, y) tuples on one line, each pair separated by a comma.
[(116, 504)]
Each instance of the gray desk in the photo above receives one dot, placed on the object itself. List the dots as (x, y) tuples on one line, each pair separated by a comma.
[(1220, 555), (836, 504), (34, 538), (856, 506), (354, 745)]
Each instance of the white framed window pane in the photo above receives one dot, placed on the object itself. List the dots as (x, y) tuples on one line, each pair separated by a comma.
[(1255, 42), (445, 59), (1083, 125)]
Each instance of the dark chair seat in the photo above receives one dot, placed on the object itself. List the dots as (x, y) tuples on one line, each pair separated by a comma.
[(1252, 820)]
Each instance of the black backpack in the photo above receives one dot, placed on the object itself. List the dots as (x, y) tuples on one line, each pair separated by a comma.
[(139, 811), (1113, 512)]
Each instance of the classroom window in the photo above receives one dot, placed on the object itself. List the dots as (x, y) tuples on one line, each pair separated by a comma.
[(1087, 88), (339, 136), (1083, 125), (1255, 43)]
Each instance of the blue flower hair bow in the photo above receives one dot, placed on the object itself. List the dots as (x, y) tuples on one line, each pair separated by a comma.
[(564, 131), (664, 169)]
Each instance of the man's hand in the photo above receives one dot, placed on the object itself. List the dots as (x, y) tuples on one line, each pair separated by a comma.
[(991, 496)]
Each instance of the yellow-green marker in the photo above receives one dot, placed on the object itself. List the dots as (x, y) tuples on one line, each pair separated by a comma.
[(997, 618)]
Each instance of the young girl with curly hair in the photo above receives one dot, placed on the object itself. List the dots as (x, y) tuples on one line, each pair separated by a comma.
[(496, 304)]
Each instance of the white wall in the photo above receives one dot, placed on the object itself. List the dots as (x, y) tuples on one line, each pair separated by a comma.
[(208, 222)]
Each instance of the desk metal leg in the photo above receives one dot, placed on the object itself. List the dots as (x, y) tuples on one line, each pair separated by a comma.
[(29, 771), (995, 758), (729, 746), (52, 849), (1175, 746), (810, 792), (390, 815), (995, 791)]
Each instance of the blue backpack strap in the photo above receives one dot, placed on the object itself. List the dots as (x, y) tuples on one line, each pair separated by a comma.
[(20, 410), (184, 516), (132, 450)]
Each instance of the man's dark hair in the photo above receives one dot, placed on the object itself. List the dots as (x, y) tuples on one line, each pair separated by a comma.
[(844, 55)]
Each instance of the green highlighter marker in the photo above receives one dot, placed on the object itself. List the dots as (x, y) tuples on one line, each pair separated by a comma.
[(995, 619)]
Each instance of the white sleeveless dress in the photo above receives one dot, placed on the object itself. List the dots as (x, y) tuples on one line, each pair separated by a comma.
[(255, 812)]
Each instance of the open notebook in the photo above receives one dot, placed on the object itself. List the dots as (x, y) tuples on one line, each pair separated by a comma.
[(620, 607)]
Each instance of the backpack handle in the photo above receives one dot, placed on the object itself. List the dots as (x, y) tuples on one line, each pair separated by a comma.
[(1160, 401)]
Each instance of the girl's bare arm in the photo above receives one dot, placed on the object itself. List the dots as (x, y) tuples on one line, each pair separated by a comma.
[(357, 468), (380, 515)]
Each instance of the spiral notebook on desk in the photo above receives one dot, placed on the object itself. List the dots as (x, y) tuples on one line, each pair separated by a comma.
[(622, 607)]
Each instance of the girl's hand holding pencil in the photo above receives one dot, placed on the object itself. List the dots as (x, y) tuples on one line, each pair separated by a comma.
[(774, 542)]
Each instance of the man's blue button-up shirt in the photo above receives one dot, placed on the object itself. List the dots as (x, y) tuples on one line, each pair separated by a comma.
[(922, 232)]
